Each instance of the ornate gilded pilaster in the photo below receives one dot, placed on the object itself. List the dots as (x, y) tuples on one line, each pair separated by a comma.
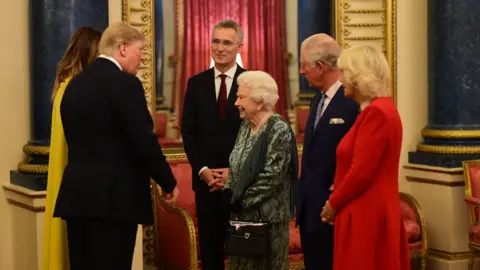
[(52, 24), (369, 22), (453, 131), (159, 56)]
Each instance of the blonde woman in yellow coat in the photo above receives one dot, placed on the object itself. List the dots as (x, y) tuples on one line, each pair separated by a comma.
[(82, 50)]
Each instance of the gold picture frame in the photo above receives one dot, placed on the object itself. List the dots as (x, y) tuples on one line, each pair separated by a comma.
[(374, 22)]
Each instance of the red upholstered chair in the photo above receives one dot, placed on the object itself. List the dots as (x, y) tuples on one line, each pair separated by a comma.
[(176, 234), (161, 123), (415, 226), (301, 112), (471, 172)]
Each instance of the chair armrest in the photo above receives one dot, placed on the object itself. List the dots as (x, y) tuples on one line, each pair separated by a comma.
[(176, 238), (471, 201)]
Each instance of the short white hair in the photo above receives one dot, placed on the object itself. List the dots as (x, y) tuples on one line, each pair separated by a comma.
[(117, 34), (263, 86), (366, 68), (321, 47)]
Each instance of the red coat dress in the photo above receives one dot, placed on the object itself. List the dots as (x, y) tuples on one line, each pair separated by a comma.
[(369, 232)]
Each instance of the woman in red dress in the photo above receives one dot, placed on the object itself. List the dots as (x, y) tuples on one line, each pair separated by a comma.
[(365, 206)]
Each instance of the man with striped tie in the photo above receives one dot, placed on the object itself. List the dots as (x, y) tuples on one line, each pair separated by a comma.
[(331, 116)]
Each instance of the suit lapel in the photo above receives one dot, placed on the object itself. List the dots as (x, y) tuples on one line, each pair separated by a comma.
[(333, 106), (211, 95), (232, 96)]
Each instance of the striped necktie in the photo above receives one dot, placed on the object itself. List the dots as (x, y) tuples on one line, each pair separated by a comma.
[(318, 115)]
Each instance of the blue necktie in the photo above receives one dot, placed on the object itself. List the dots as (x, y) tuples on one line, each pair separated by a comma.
[(319, 110)]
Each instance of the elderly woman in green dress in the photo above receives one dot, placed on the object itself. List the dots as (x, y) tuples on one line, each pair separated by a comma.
[(269, 194)]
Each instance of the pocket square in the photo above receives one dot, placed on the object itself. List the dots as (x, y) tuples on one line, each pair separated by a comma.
[(336, 121)]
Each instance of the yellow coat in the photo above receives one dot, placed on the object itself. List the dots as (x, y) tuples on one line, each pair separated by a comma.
[(55, 248)]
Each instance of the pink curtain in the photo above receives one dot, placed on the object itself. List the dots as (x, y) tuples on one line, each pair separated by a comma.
[(263, 24), (266, 45)]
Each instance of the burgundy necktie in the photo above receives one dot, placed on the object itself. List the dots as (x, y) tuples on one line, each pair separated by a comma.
[(222, 97)]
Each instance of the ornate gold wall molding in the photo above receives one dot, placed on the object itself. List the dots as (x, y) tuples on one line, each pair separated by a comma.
[(140, 14), (450, 134), (369, 22)]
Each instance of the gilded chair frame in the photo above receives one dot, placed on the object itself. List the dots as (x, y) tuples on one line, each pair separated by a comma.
[(369, 22), (468, 182), (419, 213), (174, 155), (192, 238), (468, 193)]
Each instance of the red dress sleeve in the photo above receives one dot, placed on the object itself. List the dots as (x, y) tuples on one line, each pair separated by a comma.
[(367, 153)]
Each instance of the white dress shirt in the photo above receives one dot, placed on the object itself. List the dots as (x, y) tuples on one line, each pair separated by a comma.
[(228, 80), (330, 94), (111, 59)]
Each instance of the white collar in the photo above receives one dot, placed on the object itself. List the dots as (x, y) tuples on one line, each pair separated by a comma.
[(111, 59), (230, 73), (333, 89)]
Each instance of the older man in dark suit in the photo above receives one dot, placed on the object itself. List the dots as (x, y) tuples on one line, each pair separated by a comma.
[(210, 126), (112, 153), (331, 116)]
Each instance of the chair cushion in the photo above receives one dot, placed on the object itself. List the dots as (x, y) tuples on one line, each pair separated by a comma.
[(408, 211), (413, 230), (474, 171), (474, 234), (411, 221), (416, 247), (302, 116), (183, 173)]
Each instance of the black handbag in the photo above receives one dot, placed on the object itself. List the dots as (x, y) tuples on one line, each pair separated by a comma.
[(248, 239)]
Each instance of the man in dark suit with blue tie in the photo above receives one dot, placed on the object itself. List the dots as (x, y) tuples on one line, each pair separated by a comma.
[(331, 116)]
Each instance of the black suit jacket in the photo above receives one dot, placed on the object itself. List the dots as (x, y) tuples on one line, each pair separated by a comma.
[(319, 156), (112, 150), (207, 139)]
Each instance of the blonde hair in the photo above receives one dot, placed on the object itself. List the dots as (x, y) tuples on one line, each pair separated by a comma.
[(81, 51), (263, 86), (117, 34), (366, 69)]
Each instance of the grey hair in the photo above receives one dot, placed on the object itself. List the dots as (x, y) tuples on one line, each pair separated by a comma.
[(230, 24), (262, 86), (321, 47)]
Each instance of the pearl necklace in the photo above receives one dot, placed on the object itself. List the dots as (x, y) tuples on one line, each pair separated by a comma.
[(260, 124)]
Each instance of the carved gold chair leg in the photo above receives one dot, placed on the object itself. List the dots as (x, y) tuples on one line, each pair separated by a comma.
[(424, 263)]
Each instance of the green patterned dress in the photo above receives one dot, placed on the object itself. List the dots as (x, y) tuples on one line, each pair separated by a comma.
[(269, 193)]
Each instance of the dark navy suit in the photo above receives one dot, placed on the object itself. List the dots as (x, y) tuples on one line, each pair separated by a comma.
[(318, 171)]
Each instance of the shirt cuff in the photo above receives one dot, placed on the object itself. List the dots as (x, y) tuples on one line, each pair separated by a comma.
[(202, 169)]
